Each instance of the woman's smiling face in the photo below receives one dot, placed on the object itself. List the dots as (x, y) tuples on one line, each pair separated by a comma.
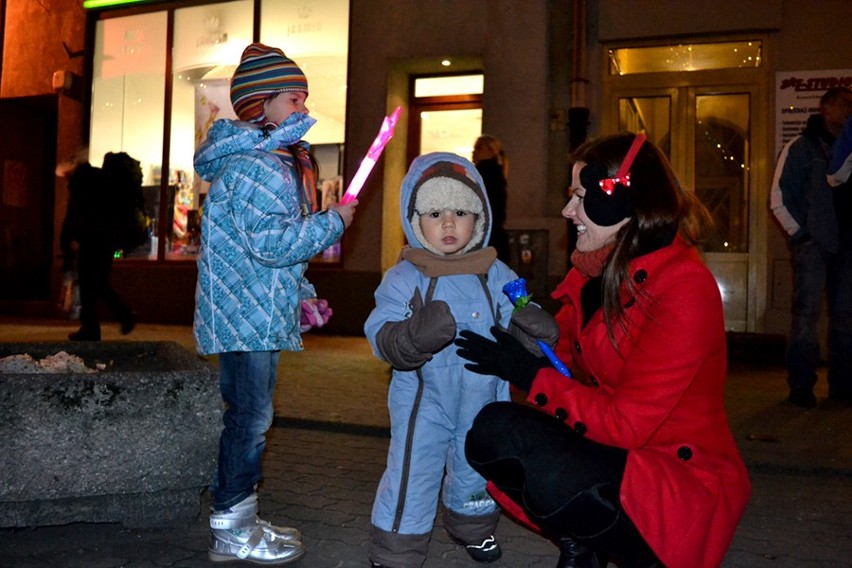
[(589, 235)]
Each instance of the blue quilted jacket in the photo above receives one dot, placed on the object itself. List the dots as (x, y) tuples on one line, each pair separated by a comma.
[(255, 242)]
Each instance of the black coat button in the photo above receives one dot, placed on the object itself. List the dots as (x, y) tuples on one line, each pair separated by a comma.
[(630, 302), (561, 414), (577, 347), (684, 453), (580, 428), (640, 276), (594, 382), (541, 399)]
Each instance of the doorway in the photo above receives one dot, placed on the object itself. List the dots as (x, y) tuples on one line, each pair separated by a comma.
[(712, 125), (445, 114)]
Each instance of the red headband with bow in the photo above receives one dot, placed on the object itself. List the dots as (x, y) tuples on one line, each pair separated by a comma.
[(622, 176)]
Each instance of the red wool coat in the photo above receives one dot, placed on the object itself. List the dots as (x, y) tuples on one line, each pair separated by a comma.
[(685, 485)]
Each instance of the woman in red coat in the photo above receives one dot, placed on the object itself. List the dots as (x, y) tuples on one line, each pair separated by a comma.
[(632, 459)]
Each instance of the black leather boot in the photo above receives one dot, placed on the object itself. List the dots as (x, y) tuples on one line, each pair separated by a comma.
[(592, 528), (573, 554), (623, 544)]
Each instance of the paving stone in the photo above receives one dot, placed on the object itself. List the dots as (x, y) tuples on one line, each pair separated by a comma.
[(322, 479)]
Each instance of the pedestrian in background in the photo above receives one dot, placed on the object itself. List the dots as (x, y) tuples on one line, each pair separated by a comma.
[(91, 233), (632, 460), (818, 222), (493, 165), (840, 168), (259, 229)]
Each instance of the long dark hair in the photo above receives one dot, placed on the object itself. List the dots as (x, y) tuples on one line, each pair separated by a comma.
[(662, 209)]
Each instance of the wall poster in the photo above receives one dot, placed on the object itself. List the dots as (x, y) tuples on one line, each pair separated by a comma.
[(797, 95)]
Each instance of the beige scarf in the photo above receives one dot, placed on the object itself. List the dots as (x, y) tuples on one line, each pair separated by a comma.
[(432, 265)]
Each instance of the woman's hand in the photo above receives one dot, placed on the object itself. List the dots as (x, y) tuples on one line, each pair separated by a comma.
[(505, 358)]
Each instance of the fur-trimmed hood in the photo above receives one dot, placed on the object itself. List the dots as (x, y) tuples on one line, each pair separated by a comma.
[(461, 167)]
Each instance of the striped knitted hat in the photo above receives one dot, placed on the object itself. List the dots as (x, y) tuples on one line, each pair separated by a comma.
[(263, 72)]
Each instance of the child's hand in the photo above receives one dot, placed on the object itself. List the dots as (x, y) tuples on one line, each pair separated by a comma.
[(346, 211), (315, 313), (530, 324), (410, 343), (431, 326)]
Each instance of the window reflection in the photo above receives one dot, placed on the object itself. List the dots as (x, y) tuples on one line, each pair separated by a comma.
[(651, 115), (722, 167), (127, 97), (315, 34), (208, 42), (685, 57), (129, 82)]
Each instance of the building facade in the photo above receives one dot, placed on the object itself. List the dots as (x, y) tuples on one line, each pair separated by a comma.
[(703, 79)]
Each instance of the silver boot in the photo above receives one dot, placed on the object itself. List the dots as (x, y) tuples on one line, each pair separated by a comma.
[(238, 533)]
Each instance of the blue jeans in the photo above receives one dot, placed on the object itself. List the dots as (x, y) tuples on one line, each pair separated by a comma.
[(247, 382), (818, 271)]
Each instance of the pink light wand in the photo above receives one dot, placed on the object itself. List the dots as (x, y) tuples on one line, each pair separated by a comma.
[(367, 163)]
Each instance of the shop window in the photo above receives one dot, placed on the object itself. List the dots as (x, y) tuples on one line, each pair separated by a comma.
[(128, 83), (685, 57), (129, 107), (315, 34), (208, 43)]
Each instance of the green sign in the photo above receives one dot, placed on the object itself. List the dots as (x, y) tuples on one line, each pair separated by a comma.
[(90, 4)]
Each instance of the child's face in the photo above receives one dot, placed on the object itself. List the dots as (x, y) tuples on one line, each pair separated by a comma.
[(282, 105), (448, 231)]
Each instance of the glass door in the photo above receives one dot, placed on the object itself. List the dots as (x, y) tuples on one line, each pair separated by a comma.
[(721, 166), (446, 114), (706, 133), (450, 130)]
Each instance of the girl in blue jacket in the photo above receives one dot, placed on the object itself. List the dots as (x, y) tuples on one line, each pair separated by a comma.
[(259, 228)]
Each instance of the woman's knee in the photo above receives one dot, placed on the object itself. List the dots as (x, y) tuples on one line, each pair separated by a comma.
[(489, 416), (487, 432)]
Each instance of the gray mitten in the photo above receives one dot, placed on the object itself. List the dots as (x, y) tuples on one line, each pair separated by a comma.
[(410, 343), (530, 324)]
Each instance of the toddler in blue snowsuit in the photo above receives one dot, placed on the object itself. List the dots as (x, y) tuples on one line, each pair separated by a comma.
[(445, 282)]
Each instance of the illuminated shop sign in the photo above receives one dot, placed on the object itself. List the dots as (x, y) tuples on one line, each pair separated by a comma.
[(91, 4)]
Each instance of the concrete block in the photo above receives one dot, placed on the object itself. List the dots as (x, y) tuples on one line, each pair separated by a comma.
[(134, 443)]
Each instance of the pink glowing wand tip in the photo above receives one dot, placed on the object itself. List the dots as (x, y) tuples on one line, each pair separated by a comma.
[(367, 163)]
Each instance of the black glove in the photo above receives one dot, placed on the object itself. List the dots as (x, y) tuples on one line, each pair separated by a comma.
[(505, 358)]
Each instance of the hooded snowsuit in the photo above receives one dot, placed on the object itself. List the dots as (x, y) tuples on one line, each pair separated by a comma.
[(432, 405), (256, 240)]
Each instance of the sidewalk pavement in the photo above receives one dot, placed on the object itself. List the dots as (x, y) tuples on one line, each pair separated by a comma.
[(326, 452)]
